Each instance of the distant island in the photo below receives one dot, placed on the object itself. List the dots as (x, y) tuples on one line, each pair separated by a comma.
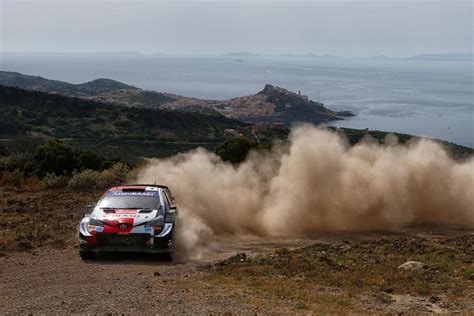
[(464, 56), (427, 56), (445, 57)]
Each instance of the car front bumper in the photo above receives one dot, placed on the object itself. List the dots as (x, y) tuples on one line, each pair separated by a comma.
[(133, 242)]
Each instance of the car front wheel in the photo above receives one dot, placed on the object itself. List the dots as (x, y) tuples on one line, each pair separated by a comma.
[(86, 255)]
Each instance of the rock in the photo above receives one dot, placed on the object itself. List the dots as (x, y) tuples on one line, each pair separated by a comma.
[(412, 265), (388, 290), (471, 276), (156, 273), (343, 248), (384, 298), (268, 89), (242, 256), (345, 113)]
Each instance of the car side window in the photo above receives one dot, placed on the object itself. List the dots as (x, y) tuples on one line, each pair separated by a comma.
[(167, 202)]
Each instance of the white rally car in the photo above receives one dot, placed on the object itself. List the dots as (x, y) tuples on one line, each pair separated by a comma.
[(130, 218)]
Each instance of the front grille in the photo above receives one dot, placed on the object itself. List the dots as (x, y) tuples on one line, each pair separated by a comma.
[(116, 240)]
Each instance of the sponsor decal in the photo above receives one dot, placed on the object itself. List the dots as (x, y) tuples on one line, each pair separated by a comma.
[(133, 193), (151, 189), (125, 211), (99, 229), (122, 215), (148, 229)]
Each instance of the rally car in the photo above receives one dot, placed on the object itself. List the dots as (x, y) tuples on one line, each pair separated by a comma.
[(131, 218)]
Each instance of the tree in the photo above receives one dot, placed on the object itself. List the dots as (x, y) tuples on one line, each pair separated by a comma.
[(55, 157), (235, 150)]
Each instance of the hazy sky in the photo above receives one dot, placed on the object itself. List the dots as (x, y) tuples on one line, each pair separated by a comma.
[(347, 28)]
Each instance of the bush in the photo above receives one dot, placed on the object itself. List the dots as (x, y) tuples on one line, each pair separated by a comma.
[(13, 178), (52, 181), (55, 157), (86, 180), (115, 175), (90, 160), (92, 180), (19, 161), (33, 183), (235, 150)]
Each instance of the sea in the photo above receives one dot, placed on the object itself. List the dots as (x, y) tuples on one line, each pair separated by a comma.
[(421, 97)]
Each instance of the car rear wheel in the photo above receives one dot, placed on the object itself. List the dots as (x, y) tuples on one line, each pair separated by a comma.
[(86, 255)]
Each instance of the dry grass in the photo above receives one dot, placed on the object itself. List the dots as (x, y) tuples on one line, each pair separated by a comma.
[(31, 218), (337, 277)]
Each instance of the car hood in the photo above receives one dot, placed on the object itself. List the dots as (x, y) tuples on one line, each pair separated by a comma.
[(134, 217)]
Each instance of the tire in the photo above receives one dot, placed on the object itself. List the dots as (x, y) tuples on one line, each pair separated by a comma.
[(86, 255), (169, 256)]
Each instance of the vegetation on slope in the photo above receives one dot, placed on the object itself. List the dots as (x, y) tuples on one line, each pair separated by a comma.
[(355, 273), (85, 122), (104, 90), (272, 104), (91, 88)]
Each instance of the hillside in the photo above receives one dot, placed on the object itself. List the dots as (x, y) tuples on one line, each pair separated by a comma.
[(272, 104), (103, 90), (275, 104), (86, 122), (87, 89)]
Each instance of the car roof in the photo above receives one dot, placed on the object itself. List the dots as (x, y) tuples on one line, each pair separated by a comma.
[(138, 187)]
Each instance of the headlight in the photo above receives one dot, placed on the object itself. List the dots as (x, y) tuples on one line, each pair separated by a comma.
[(157, 222), (95, 222), (170, 215)]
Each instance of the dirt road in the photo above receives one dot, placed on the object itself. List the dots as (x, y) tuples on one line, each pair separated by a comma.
[(49, 280), (56, 281)]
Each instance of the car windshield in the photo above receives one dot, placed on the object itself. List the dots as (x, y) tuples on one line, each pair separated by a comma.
[(119, 199)]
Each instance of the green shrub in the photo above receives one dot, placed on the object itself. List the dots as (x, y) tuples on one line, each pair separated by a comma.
[(235, 150), (115, 175), (55, 157), (92, 180), (86, 180), (19, 161), (52, 181), (90, 160)]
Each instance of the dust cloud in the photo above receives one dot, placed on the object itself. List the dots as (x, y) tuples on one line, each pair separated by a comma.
[(316, 183)]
